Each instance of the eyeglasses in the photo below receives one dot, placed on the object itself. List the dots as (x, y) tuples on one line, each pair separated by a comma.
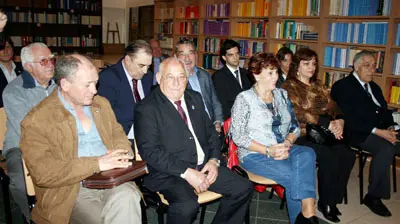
[(181, 78), (46, 61)]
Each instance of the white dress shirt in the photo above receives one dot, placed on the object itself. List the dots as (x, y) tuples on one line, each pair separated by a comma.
[(234, 75), (9, 76), (131, 134)]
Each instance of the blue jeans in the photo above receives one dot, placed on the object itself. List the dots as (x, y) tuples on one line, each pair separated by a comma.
[(296, 174)]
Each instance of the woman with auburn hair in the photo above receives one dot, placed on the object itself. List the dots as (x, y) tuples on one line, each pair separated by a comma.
[(312, 104), (264, 128)]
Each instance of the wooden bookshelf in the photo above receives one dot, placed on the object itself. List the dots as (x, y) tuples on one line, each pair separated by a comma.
[(319, 20), (64, 25)]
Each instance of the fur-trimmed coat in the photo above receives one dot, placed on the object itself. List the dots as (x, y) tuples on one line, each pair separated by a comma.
[(309, 102)]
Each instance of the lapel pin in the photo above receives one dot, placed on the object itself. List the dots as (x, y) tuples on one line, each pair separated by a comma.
[(192, 107)]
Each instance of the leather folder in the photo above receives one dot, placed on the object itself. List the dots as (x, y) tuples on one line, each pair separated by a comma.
[(112, 178)]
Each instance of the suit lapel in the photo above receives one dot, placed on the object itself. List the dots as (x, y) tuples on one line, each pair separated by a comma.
[(230, 78), (125, 87), (192, 109)]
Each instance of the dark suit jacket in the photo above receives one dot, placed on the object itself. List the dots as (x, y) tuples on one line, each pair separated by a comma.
[(361, 114), (164, 140), (227, 87), (114, 86), (3, 81), (280, 80), (209, 96)]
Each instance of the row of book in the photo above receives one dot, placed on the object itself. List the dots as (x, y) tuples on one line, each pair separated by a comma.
[(166, 42), (295, 31), (359, 7), (249, 47), (20, 41), (258, 8), (330, 78), (188, 12), (91, 20), (216, 27), (292, 46), (189, 28), (397, 41), (298, 7), (218, 10), (166, 13), (394, 92), (338, 57), (19, 17), (358, 33), (255, 29), (89, 5), (396, 64), (211, 61), (166, 27), (212, 45)]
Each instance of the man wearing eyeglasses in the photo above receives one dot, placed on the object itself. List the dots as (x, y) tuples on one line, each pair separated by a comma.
[(371, 126), (20, 96), (199, 80)]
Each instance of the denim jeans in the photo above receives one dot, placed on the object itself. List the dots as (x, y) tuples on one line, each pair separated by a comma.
[(296, 174)]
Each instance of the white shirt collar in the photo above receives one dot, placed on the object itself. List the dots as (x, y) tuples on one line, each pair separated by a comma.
[(358, 78)]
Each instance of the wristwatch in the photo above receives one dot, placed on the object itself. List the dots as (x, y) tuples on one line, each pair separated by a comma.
[(267, 152), (217, 160)]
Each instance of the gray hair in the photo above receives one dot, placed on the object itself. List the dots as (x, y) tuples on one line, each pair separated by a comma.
[(184, 41), (361, 54), (27, 54), (138, 45), (68, 65), (165, 62)]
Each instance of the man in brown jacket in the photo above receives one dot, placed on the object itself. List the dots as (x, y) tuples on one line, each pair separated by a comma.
[(69, 136)]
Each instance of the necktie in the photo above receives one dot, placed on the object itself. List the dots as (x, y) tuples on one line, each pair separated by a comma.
[(366, 90), (135, 91), (181, 111), (237, 77)]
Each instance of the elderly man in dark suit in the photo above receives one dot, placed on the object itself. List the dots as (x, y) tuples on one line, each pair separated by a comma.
[(199, 80), (177, 139), (370, 124), (127, 82), (230, 80)]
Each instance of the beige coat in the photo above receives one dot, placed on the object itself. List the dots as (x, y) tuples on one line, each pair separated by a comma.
[(49, 147)]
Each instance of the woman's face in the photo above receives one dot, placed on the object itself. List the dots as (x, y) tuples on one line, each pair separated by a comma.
[(285, 63), (7, 53), (268, 77), (306, 69)]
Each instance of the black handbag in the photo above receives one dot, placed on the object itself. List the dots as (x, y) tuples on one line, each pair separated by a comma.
[(319, 134)]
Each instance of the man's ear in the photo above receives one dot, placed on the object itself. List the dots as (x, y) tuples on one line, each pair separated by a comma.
[(28, 67), (158, 77), (64, 84), (224, 57)]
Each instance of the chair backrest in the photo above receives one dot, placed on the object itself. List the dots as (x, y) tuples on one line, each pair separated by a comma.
[(28, 181), (3, 127), (233, 159)]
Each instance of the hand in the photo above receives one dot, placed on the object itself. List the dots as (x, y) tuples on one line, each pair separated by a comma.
[(197, 180), (212, 168), (218, 127), (336, 127), (115, 159), (3, 20), (388, 135), (280, 151)]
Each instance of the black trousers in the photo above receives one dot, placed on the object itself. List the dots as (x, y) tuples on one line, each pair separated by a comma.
[(382, 156), (334, 166), (236, 190)]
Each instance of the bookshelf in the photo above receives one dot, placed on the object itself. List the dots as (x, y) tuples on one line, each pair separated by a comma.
[(64, 25), (267, 25)]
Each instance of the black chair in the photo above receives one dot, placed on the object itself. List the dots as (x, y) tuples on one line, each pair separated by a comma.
[(362, 158)]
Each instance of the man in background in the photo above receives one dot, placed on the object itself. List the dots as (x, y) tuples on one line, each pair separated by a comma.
[(230, 80), (199, 80), (158, 57), (19, 97), (128, 82)]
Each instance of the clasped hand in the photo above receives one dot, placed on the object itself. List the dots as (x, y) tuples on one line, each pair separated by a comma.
[(201, 180), (118, 158), (280, 151), (336, 127)]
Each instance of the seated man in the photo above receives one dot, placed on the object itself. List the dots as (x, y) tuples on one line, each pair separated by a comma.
[(20, 96), (181, 146), (70, 136), (370, 124)]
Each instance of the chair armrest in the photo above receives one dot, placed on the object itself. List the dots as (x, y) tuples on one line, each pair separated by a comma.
[(239, 170)]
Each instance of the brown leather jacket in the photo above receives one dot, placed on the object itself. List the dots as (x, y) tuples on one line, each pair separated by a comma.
[(309, 102), (49, 147)]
